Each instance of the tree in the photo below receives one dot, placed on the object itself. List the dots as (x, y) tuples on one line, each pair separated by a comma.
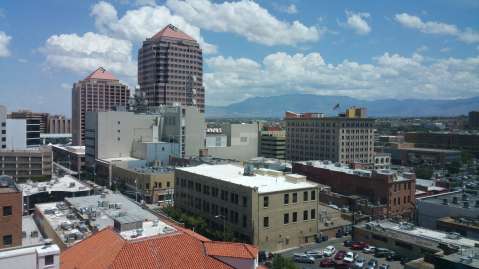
[(280, 262), (454, 167), (423, 172)]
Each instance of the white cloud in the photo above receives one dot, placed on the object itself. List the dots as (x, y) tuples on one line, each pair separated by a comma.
[(445, 49), (138, 24), (83, 54), (4, 41), (431, 27), (357, 22), (245, 18), (388, 76), (22, 60), (289, 9)]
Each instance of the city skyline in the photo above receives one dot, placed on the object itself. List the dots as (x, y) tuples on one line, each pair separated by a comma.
[(418, 50)]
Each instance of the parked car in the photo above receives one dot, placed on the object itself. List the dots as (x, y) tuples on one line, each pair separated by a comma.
[(382, 252), (340, 255), (314, 253), (326, 262), (369, 249), (372, 264), (348, 243), (339, 234), (384, 266), (393, 256), (349, 257), (359, 262), (302, 258), (358, 246), (329, 251)]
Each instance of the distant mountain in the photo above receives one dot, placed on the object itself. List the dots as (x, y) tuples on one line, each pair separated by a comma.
[(275, 106)]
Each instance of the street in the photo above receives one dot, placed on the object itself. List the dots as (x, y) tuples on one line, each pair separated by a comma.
[(338, 244)]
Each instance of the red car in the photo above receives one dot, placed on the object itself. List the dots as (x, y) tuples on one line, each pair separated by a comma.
[(327, 262), (359, 246), (340, 255)]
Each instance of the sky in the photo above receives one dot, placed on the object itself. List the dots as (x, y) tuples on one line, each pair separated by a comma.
[(367, 49)]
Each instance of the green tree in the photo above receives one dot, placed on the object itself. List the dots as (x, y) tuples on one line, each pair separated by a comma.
[(454, 167), (280, 262), (423, 172)]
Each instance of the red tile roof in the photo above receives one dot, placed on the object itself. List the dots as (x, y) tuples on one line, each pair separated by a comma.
[(172, 32), (227, 249), (108, 250), (101, 73)]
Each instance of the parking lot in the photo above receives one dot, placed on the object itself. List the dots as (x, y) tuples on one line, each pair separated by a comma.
[(338, 244)]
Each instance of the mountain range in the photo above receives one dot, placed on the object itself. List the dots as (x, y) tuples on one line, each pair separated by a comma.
[(275, 106)]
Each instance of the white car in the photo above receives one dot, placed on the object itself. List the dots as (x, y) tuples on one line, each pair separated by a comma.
[(329, 251), (349, 257), (314, 253), (369, 249), (359, 262), (302, 258)]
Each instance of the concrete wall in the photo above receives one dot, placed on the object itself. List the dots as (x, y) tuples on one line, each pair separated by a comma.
[(242, 142), (159, 152), (16, 134), (194, 126)]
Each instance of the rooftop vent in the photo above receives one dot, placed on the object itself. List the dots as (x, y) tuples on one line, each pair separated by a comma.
[(454, 236), (155, 223), (139, 232)]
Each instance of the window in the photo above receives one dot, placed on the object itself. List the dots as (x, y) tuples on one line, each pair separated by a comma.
[(313, 195), (305, 196), (49, 259), (7, 240), (243, 139), (167, 184), (295, 216), (295, 197), (7, 211), (286, 218), (305, 215), (245, 201), (286, 199), (313, 213), (266, 201), (266, 222)]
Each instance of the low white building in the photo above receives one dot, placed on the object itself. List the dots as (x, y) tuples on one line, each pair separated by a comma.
[(45, 256)]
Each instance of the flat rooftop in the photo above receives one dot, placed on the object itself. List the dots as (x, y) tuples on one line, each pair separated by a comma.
[(432, 150), (66, 183), (153, 170), (30, 233), (418, 235), (459, 196), (343, 168), (264, 183), (122, 206)]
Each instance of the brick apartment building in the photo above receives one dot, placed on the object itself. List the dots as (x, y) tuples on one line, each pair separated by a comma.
[(99, 91), (170, 69), (10, 213), (380, 187), (348, 138)]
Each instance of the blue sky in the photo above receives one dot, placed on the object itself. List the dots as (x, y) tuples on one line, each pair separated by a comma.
[(363, 49)]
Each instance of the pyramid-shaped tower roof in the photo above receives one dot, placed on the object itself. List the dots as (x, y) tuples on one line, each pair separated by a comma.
[(101, 73), (172, 31)]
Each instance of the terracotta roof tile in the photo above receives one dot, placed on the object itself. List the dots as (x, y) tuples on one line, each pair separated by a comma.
[(227, 249), (182, 250)]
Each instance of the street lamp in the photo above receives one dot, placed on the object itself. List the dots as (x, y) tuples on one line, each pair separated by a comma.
[(224, 224)]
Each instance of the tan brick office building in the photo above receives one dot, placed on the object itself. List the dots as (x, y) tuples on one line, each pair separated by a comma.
[(266, 208), (347, 138)]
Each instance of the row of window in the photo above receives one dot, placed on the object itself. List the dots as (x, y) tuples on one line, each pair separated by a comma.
[(294, 198), (215, 192), (327, 124), (293, 217), (398, 200)]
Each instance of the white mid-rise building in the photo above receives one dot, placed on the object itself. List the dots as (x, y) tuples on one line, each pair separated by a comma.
[(45, 256)]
